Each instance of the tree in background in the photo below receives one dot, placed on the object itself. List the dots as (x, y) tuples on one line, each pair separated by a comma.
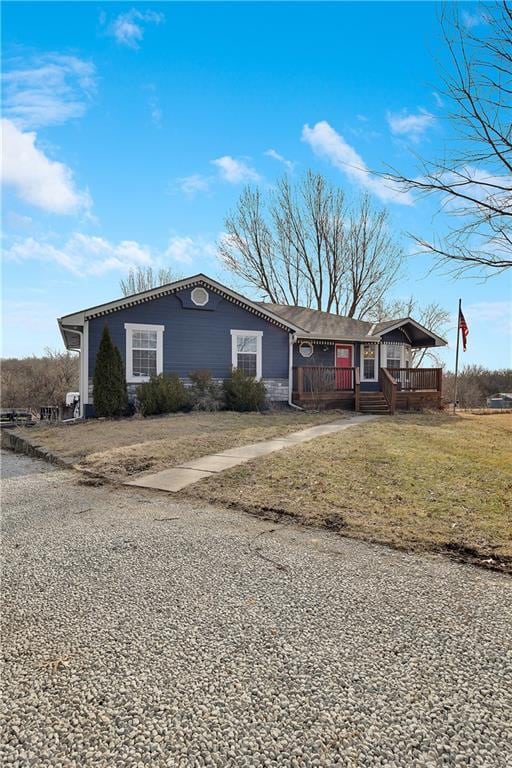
[(473, 178), (303, 245), (431, 316), (109, 380), (475, 384), (32, 382), (144, 278)]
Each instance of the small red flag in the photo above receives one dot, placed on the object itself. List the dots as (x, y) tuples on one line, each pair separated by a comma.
[(463, 326)]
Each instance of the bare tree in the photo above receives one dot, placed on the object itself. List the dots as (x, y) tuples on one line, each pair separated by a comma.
[(473, 181), (31, 382), (144, 278), (475, 384), (431, 316), (304, 246)]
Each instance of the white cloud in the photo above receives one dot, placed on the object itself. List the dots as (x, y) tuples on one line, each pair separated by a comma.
[(438, 100), (326, 142), (83, 254), (478, 183), (18, 220), (36, 179), (154, 104), (235, 171), (186, 249), (33, 316), (411, 126), (471, 20), (128, 28), (48, 89), (499, 313), (276, 156), (192, 185)]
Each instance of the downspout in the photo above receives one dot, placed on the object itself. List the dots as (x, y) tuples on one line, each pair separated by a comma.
[(292, 337), (81, 385)]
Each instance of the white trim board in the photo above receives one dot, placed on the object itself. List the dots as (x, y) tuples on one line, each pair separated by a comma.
[(77, 318), (85, 364)]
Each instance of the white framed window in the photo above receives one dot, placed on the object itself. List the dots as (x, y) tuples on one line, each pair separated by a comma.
[(246, 349), (144, 351), (369, 362), (394, 355), (199, 296)]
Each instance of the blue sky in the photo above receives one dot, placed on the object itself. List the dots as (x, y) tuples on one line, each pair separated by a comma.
[(132, 129)]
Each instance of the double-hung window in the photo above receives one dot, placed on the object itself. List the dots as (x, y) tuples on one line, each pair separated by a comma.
[(144, 351), (393, 355), (246, 352), (369, 362)]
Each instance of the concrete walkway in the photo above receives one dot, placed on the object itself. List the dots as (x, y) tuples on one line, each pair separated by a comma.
[(189, 472)]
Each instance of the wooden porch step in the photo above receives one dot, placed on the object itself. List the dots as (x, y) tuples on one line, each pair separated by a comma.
[(373, 402)]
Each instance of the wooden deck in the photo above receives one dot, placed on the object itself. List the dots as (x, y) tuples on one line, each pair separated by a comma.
[(399, 389)]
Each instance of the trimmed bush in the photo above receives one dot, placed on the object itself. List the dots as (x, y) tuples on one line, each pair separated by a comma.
[(243, 392), (164, 393), (109, 380), (205, 394)]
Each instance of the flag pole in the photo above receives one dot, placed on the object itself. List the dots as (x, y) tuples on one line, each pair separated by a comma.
[(457, 358)]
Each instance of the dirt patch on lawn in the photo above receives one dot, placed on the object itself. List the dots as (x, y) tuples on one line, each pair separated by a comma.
[(123, 448)]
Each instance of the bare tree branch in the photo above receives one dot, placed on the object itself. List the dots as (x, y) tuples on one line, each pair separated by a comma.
[(143, 279), (473, 182), (305, 247), (431, 316)]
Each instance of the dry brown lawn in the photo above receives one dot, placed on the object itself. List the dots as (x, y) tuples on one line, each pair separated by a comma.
[(120, 448), (429, 481)]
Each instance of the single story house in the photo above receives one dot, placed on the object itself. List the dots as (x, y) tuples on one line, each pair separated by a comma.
[(305, 357), (500, 400)]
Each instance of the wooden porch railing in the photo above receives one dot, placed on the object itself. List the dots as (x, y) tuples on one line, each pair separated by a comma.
[(388, 386), (320, 379), (413, 379)]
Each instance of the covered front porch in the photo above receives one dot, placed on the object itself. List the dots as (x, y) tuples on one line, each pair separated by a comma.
[(341, 387)]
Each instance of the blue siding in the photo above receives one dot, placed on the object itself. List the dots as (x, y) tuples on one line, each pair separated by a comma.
[(195, 338), (324, 355)]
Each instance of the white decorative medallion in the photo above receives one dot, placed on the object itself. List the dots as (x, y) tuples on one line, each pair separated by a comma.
[(199, 296)]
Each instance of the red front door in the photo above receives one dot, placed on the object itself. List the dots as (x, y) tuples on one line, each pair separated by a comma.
[(343, 362)]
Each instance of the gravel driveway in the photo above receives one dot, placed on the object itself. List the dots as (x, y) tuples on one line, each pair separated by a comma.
[(132, 638)]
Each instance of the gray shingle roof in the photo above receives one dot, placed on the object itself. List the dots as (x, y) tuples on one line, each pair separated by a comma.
[(322, 324), (381, 327)]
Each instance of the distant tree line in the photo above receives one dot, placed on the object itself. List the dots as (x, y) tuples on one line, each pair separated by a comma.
[(475, 384), (31, 382)]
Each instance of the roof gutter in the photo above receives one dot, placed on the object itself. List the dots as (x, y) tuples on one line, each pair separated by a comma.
[(339, 338)]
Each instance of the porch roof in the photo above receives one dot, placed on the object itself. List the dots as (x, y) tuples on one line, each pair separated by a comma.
[(329, 327)]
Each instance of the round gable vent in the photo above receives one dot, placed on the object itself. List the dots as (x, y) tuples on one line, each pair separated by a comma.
[(306, 349), (199, 296)]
